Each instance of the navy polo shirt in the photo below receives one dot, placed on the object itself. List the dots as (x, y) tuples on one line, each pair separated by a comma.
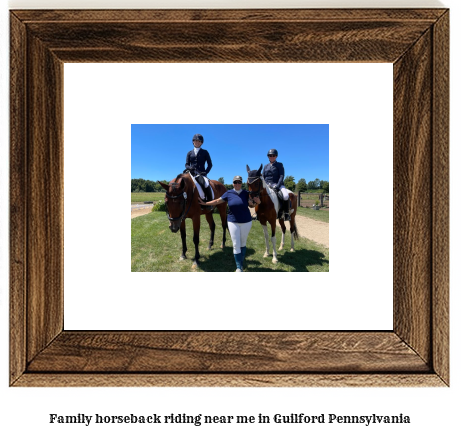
[(238, 206)]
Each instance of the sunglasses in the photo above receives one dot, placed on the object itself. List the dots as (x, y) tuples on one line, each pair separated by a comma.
[(237, 182), (271, 155)]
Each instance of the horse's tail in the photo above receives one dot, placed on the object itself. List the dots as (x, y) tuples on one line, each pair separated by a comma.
[(295, 233)]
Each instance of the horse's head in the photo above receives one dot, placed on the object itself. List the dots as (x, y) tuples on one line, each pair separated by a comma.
[(175, 201), (254, 181)]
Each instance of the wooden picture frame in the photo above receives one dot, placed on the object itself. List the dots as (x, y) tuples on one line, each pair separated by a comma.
[(414, 353)]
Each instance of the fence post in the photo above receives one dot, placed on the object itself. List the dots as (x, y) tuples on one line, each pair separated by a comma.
[(299, 198), (321, 200)]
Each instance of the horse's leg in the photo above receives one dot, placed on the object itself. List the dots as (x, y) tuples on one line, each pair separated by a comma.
[(182, 229), (266, 236), (223, 214), (274, 250), (282, 225), (292, 229), (294, 204), (196, 224), (209, 218)]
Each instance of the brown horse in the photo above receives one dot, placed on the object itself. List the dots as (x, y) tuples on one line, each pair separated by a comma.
[(266, 211), (181, 199)]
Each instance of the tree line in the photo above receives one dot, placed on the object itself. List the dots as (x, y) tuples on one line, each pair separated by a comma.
[(141, 185), (302, 186)]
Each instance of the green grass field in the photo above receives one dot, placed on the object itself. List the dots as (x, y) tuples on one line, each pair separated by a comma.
[(318, 215), (140, 197), (155, 248)]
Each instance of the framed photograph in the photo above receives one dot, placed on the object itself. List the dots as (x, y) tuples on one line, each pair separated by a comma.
[(159, 152), (415, 352)]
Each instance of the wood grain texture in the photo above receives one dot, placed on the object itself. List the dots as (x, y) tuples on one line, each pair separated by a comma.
[(357, 41), (18, 192), (414, 354), (258, 15), (223, 36), (230, 380), (440, 192), (45, 178), (413, 196), (236, 352)]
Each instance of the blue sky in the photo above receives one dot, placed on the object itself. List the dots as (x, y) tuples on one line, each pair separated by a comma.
[(158, 151)]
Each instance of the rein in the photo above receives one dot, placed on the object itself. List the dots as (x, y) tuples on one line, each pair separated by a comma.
[(184, 202)]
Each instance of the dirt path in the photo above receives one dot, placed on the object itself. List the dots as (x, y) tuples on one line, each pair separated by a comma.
[(316, 231), (142, 211)]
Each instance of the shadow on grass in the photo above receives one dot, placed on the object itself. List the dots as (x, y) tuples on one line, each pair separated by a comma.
[(217, 260), (298, 261)]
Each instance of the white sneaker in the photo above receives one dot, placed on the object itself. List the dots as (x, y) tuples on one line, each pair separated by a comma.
[(238, 270)]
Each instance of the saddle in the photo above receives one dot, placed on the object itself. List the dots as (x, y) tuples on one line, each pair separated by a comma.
[(201, 181), (205, 192), (277, 194)]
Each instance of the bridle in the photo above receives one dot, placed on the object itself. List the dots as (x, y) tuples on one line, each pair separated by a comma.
[(257, 193), (183, 196)]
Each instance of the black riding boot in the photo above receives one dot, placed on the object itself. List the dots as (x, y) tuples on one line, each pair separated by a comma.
[(281, 209), (208, 196), (286, 209)]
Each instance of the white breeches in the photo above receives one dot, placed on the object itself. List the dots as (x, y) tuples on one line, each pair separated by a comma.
[(239, 234), (284, 192)]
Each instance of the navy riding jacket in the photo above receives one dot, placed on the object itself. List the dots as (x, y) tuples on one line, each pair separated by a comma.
[(198, 162), (274, 173)]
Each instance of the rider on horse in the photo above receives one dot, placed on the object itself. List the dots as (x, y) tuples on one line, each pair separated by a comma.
[(195, 163), (273, 174)]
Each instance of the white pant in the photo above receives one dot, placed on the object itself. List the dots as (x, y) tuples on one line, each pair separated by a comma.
[(284, 192), (239, 234)]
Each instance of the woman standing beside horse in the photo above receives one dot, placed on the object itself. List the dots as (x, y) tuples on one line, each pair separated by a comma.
[(239, 219)]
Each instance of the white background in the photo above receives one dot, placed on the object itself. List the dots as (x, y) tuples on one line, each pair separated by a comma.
[(431, 410), (103, 100)]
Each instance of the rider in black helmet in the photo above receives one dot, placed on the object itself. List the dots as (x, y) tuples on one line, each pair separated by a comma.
[(273, 174), (195, 163)]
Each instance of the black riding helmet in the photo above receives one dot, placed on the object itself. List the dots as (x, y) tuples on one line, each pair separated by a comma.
[(273, 151), (197, 137)]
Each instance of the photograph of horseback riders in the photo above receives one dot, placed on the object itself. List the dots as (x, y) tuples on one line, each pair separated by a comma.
[(230, 197)]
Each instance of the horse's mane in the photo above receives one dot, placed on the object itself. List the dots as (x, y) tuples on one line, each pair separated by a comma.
[(178, 178)]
